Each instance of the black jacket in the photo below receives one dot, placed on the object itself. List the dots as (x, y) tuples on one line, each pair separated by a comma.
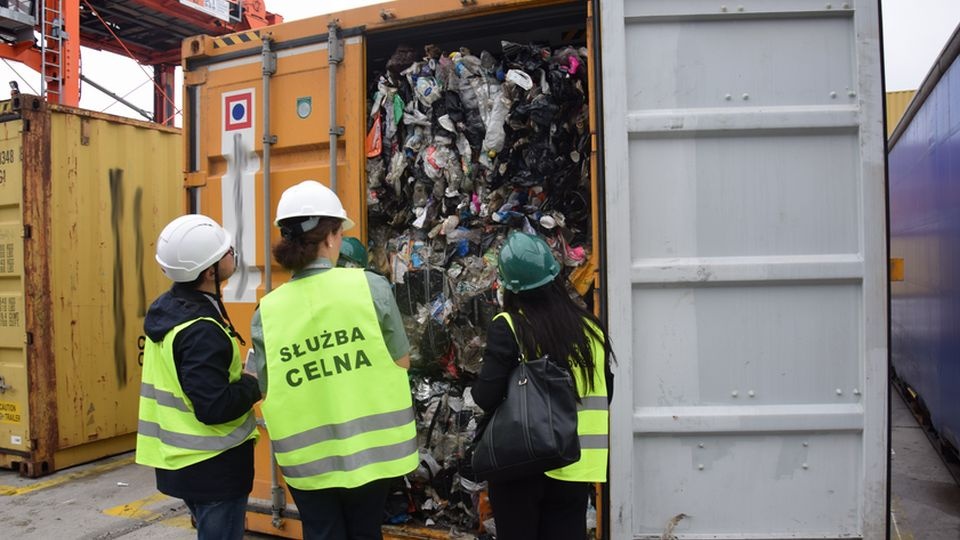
[(202, 353), (500, 357)]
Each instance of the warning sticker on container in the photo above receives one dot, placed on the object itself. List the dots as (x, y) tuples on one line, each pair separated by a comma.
[(9, 312), (7, 259), (238, 111), (9, 412)]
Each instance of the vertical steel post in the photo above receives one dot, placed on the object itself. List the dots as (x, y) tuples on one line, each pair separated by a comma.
[(164, 79), (334, 56), (269, 63)]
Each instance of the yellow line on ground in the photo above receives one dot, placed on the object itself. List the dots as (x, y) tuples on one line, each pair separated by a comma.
[(135, 509), (897, 533), (180, 522), (56, 481)]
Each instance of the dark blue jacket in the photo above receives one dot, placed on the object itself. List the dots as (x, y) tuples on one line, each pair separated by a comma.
[(202, 354)]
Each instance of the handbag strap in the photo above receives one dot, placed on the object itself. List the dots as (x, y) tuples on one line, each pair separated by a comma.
[(509, 319)]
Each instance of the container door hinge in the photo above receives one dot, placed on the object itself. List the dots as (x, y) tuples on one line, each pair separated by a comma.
[(29, 339), (268, 57), (27, 231), (338, 131), (3, 385), (269, 139)]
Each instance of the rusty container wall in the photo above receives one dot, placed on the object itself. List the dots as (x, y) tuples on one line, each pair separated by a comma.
[(83, 196), (223, 118)]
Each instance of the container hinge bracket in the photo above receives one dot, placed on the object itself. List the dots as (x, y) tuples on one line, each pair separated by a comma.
[(334, 44), (269, 139), (269, 63), (27, 231), (338, 131), (3, 385), (268, 56), (29, 339)]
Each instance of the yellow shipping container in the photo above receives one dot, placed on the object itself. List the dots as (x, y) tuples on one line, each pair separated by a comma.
[(896, 104), (82, 197), (257, 116)]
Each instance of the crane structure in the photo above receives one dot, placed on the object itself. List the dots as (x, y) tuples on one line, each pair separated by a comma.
[(46, 36)]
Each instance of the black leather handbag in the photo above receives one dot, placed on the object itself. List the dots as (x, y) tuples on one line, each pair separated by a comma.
[(534, 429)]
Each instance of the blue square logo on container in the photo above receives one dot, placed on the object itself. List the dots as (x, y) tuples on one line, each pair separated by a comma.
[(238, 111)]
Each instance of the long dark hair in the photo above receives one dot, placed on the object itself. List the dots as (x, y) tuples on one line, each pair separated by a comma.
[(294, 253), (548, 321)]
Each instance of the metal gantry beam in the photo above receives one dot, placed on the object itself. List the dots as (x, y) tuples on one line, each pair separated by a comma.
[(148, 31)]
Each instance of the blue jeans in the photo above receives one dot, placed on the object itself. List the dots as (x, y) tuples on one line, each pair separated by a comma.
[(219, 520)]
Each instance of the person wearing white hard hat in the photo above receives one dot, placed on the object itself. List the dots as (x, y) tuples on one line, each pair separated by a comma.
[(331, 356), (196, 423)]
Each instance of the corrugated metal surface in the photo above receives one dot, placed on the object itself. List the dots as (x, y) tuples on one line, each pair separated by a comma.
[(14, 405), (925, 234), (748, 288), (94, 191), (897, 103)]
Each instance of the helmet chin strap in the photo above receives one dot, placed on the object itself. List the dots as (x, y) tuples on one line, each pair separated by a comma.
[(223, 309)]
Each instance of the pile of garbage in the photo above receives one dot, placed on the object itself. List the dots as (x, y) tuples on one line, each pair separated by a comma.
[(461, 149)]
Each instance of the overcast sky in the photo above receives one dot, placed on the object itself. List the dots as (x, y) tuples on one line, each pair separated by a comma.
[(915, 32)]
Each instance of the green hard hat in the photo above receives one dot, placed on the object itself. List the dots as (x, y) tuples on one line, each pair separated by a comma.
[(353, 251), (526, 262)]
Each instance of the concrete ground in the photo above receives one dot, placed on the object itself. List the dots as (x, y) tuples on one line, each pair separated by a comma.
[(112, 498), (115, 498), (925, 499)]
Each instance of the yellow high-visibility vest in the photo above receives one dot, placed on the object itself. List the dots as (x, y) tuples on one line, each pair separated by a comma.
[(337, 408), (169, 436), (593, 419)]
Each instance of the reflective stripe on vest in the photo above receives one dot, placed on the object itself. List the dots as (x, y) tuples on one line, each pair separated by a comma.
[(344, 430), (325, 353), (199, 442), (593, 442), (592, 418), (169, 435), (163, 397), (346, 464)]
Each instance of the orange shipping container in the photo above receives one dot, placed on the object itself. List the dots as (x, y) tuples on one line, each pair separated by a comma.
[(258, 109)]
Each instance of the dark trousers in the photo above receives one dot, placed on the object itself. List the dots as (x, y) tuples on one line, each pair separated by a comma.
[(219, 520), (342, 514), (540, 508)]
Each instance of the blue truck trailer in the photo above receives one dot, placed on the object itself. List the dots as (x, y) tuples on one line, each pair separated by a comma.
[(924, 178)]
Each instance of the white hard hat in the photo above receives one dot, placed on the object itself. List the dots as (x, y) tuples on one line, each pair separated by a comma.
[(189, 245), (311, 199)]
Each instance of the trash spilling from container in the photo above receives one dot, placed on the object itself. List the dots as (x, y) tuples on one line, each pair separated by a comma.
[(462, 147)]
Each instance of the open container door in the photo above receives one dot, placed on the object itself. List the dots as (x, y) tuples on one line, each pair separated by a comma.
[(259, 109), (743, 151)]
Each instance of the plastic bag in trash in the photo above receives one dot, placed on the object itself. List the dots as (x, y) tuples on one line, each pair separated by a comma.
[(428, 90), (374, 141), (526, 57), (401, 59)]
